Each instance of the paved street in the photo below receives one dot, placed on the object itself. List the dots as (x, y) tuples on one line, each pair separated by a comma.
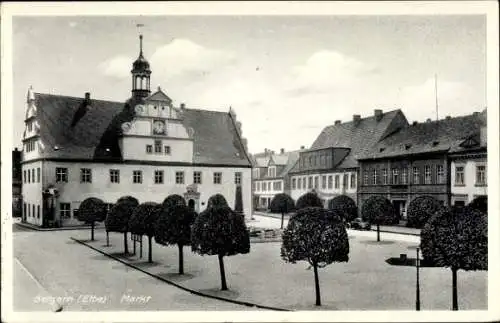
[(49, 265)]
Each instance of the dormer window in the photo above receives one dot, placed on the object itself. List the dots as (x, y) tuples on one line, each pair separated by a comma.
[(381, 149), (435, 143), (407, 146)]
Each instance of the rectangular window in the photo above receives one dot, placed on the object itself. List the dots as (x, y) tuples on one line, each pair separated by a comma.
[(384, 176), (330, 182), (237, 178), (299, 183), (256, 173), (137, 176), (440, 174), (323, 182), (374, 177), (158, 177), (481, 175), (24, 176), (197, 177), (404, 176), (217, 177), (395, 176), (179, 177), (114, 176), (158, 146), (345, 180), (61, 175), (29, 210), (65, 210), (310, 182), (294, 183), (257, 186), (85, 175), (275, 186), (264, 186), (167, 150), (365, 178), (38, 211), (337, 181), (416, 175), (278, 186), (428, 174), (316, 182), (33, 175), (29, 176), (353, 180), (33, 210), (149, 149), (38, 175)]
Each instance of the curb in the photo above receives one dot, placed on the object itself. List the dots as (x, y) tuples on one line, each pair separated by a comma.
[(36, 228), (395, 232), (192, 291)]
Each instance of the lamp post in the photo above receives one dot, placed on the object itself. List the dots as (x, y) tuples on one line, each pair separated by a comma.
[(418, 282)]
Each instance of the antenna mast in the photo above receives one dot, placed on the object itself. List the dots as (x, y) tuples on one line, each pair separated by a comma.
[(436, 93)]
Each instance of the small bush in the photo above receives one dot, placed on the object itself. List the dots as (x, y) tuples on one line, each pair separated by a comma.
[(345, 206), (421, 209), (216, 201), (310, 199)]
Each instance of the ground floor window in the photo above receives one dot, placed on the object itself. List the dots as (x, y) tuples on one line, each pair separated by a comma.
[(65, 210)]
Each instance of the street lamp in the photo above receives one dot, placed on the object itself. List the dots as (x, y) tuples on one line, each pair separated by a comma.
[(418, 281)]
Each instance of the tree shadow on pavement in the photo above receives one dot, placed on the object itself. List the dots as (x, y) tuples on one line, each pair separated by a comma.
[(145, 264)]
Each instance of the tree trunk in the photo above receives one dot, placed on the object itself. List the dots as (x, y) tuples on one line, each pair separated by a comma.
[(316, 283), (455, 294), (282, 219), (135, 246), (378, 232), (181, 260), (222, 273), (125, 242), (150, 255), (107, 238), (92, 231)]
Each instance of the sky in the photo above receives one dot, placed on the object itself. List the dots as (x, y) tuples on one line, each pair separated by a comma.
[(286, 77)]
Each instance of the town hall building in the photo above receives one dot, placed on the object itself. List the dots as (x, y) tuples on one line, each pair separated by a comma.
[(76, 148)]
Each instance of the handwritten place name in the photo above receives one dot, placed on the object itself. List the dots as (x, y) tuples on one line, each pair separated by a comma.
[(65, 300)]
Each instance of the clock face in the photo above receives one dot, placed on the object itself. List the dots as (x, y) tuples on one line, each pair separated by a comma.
[(139, 109), (159, 127)]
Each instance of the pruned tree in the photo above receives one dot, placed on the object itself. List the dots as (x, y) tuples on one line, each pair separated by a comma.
[(173, 199), (456, 238), (216, 200), (282, 203), (310, 199), (421, 209), (480, 203), (118, 217), (143, 222), (378, 210), (317, 236), (92, 210), (220, 231), (345, 206), (173, 227)]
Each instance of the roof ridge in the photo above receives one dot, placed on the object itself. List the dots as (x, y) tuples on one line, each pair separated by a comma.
[(363, 118), (76, 97)]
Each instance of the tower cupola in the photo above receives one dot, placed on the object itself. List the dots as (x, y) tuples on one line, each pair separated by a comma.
[(141, 74)]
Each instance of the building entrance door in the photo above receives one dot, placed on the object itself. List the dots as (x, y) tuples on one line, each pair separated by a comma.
[(191, 204), (400, 207)]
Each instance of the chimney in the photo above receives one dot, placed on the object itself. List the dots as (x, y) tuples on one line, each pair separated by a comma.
[(302, 147), (475, 114), (415, 123), (183, 106), (337, 121), (87, 98), (428, 120), (378, 114), (448, 117), (282, 151), (356, 119)]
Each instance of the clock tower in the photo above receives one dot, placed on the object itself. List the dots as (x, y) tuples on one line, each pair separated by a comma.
[(141, 74)]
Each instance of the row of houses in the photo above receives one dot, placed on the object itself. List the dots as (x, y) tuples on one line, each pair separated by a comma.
[(381, 154)]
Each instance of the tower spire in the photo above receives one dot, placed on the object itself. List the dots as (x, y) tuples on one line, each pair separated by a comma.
[(140, 46)]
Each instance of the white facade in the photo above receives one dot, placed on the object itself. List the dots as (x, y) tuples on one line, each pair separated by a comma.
[(74, 191), (265, 190), (468, 179), (327, 185)]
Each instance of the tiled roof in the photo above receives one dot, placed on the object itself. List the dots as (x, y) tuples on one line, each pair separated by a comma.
[(358, 137), (95, 135), (427, 137), (293, 157)]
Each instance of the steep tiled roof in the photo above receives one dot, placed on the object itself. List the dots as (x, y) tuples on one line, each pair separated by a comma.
[(293, 156), (434, 136), (359, 137), (95, 135)]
